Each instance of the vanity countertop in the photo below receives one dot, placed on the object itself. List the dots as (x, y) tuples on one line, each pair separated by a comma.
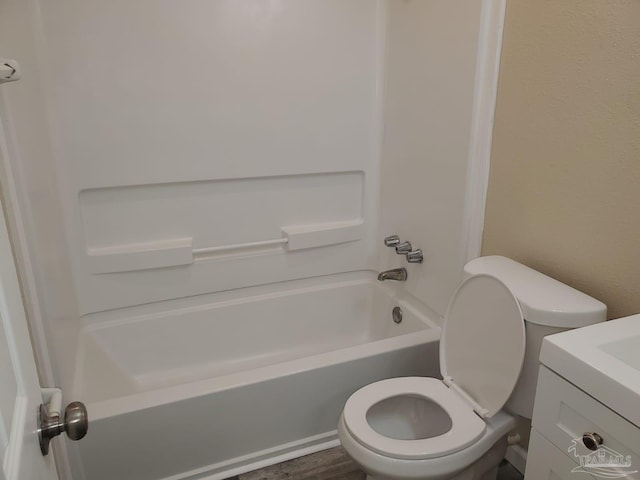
[(603, 360)]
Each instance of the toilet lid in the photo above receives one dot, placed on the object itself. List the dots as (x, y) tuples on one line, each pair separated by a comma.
[(483, 342)]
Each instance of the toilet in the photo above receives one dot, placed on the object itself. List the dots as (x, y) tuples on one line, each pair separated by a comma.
[(457, 427)]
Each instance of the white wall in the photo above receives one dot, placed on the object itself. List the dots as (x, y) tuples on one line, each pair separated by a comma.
[(428, 109)]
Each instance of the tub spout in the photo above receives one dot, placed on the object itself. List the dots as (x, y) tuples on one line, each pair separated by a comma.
[(399, 274)]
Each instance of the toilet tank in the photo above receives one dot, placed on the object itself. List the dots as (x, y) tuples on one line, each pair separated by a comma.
[(548, 307)]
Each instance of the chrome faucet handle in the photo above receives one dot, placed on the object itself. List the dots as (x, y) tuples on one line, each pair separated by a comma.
[(391, 241), (403, 248), (415, 256)]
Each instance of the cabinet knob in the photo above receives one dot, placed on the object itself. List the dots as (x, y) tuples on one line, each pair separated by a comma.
[(591, 440)]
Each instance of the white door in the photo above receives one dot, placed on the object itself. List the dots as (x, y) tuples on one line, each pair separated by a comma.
[(20, 396)]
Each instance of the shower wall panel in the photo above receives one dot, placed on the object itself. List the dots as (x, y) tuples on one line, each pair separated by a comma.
[(212, 123)]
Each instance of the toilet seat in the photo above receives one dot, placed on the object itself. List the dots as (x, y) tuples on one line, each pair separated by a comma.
[(466, 427)]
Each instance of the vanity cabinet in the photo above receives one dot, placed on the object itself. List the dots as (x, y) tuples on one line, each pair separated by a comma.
[(562, 414)]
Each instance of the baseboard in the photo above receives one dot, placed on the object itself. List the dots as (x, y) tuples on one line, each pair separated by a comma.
[(265, 458)]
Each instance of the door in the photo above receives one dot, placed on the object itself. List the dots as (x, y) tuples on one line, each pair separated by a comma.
[(20, 396)]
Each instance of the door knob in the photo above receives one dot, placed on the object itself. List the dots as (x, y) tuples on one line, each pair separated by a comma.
[(75, 423)]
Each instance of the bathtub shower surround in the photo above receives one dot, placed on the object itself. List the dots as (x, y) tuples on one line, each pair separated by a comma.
[(198, 194)]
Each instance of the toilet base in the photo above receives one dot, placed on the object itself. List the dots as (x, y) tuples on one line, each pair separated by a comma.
[(485, 468)]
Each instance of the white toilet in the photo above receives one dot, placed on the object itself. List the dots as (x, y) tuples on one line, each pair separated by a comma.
[(456, 428)]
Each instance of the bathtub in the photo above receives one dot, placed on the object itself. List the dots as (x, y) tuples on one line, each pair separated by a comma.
[(213, 386)]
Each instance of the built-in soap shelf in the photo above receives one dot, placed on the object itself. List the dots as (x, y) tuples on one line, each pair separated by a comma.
[(180, 251)]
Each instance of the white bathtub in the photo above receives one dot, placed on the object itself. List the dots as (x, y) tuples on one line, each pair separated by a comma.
[(210, 387)]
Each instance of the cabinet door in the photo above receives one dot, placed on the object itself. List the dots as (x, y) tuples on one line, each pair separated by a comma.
[(546, 462), (563, 413)]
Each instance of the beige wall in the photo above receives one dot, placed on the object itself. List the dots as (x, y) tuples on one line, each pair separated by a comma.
[(564, 191)]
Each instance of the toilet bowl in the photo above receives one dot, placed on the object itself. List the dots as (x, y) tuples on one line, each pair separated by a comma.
[(412, 418), (476, 461), (403, 427), (456, 427)]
